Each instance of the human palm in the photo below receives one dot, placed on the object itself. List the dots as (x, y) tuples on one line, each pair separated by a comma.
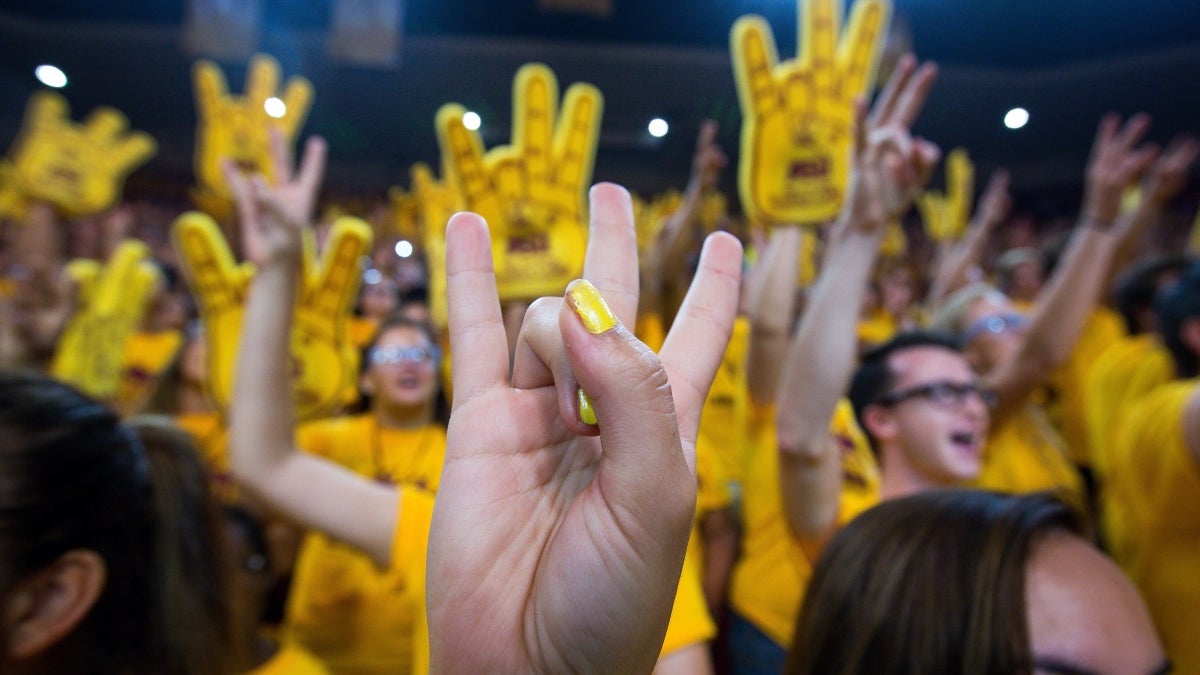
[(557, 545)]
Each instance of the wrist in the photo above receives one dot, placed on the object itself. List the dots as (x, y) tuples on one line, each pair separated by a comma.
[(1097, 221)]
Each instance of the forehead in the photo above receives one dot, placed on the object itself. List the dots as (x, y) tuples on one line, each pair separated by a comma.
[(402, 336), (927, 363)]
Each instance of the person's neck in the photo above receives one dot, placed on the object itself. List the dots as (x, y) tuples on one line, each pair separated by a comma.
[(193, 401), (899, 478), (403, 417)]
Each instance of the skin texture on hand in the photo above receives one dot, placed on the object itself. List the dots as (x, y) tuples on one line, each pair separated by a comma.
[(556, 545), (798, 114), (80, 168), (531, 192)]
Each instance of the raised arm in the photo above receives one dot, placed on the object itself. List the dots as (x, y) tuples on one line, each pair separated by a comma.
[(772, 304), (955, 267), (889, 167), (1072, 292), (311, 491)]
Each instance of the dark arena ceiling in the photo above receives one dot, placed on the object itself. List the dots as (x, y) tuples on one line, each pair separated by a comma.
[(1066, 61)]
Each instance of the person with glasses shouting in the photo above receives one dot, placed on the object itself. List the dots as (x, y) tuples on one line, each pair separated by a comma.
[(924, 410)]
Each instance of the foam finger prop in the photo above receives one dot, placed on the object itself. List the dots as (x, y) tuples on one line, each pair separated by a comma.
[(322, 364), (531, 192), (80, 168), (236, 127), (798, 114), (945, 216), (111, 301)]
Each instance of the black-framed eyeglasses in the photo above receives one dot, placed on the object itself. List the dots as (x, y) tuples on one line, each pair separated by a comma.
[(943, 394), (382, 356)]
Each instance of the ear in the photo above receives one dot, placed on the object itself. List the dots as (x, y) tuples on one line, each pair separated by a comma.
[(880, 424), (43, 609), (1189, 334)]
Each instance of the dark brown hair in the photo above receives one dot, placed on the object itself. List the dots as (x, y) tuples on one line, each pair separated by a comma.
[(932, 583)]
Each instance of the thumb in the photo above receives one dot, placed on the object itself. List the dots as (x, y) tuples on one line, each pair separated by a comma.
[(644, 466)]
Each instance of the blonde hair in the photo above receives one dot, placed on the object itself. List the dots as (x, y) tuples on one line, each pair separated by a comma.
[(950, 316)]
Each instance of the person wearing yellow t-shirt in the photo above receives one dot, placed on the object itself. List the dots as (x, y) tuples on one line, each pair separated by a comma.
[(565, 501), (353, 616), (150, 351), (917, 398), (1152, 494), (1134, 365), (798, 484)]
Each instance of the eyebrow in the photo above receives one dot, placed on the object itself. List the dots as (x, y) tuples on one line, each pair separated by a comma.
[(1056, 666)]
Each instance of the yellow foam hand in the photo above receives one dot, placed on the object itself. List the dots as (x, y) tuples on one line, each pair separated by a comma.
[(110, 304), (322, 365), (437, 201), (532, 192), (80, 168), (946, 216), (235, 127), (12, 202), (798, 115), (806, 272)]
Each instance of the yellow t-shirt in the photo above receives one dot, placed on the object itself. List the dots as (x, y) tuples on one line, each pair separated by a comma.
[(1025, 454), (291, 660), (876, 329), (396, 456), (1153, 500), (145, 358), (772, 572), (726, 410), (1103, 329), (690, 620), (1125, 372), (355, 617)]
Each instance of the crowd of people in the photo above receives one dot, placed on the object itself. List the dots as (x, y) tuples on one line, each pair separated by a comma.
[(854, 446)]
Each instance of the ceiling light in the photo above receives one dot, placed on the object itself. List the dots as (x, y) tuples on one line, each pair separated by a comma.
[(275, 107), (658, 127), (471, 120), (50, 76), (1016, 118), (404, 248)]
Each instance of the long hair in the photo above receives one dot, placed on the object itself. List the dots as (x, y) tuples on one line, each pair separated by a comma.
[(931, 583)]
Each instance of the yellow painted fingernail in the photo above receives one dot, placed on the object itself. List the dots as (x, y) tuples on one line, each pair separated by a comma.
[(587, 414), (590, 306)]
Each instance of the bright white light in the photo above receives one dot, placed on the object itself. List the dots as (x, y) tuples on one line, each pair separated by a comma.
[(471, 120), (658, 127), (275, 107), (51, 76), (1016, 118), (372, 277), (404, 248)]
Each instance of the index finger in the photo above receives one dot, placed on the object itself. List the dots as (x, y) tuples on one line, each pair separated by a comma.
[(754, 62), (859, 52), (535, 96), (696, 344), (612, 257), (262, 79), (576, 136), (818, 39), (209, 84), (476, 326)]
